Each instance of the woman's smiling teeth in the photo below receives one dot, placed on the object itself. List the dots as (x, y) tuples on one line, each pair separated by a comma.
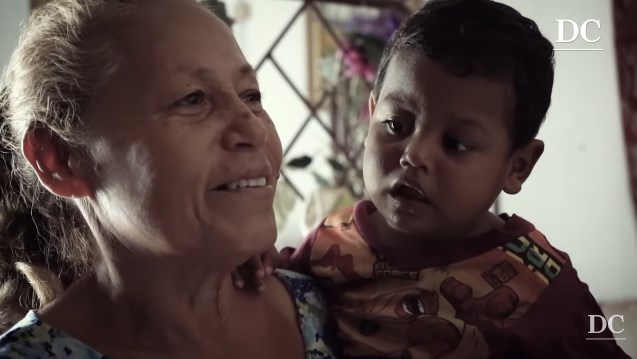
[(254, 182)]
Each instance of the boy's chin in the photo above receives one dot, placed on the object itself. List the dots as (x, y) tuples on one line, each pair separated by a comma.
[(416, 229)]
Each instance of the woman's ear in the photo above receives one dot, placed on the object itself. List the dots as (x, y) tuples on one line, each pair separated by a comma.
[(57, 165), (522, 162)]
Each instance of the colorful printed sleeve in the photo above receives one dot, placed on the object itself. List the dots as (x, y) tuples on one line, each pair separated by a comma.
[(312, 315), (30, 338)]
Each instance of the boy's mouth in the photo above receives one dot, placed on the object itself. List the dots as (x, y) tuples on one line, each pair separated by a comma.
[(407, 191)]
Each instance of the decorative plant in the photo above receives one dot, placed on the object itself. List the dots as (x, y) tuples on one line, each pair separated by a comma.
[(219, 8), (366, 37), (348, 77), (305, 160)]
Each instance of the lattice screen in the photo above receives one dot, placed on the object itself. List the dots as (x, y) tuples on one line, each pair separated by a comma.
[(341, 132)]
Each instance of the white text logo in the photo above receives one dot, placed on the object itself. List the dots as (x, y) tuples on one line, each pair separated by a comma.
[(599, 323), (569, 31)]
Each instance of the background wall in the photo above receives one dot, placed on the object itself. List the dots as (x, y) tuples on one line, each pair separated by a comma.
[(578, 194), (12, 13)]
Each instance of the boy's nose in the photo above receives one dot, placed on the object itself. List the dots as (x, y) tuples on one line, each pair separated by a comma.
[(418, 154)]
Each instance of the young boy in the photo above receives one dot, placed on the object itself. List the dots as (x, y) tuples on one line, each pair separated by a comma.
[(423, 269)]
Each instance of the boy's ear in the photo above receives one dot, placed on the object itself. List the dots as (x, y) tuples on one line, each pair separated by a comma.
[(372, 108), (57, 165), (372, 104), (522, 162)]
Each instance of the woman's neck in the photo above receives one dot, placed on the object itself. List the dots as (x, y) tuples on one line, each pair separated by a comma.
[(161, 304)]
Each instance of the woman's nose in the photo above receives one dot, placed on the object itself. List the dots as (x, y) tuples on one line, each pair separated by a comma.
[(245, 129)]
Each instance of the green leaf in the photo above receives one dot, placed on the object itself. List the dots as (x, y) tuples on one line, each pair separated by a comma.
[(320, 179), (300, 162), (336, 166)]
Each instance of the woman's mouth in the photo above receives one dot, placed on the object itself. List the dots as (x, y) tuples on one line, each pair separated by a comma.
[(243, 183)]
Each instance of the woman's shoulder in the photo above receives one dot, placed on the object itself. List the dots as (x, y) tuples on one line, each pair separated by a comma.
[(311, 309), (32, 338), (301, 286)]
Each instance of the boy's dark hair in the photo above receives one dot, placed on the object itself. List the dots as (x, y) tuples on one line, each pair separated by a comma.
[(487, 38)]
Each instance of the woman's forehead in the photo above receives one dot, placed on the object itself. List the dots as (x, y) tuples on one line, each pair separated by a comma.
[(156, 18), (175, 34)]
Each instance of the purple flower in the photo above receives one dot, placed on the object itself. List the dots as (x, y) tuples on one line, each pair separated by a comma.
[(381, 26)]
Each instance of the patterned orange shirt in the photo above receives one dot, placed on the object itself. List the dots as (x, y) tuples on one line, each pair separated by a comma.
[(507, 294)]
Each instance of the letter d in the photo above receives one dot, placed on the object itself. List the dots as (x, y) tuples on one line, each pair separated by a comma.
[(591, 329), (560, 30)]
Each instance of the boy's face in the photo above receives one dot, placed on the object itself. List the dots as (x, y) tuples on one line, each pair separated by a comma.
[(439, 150)]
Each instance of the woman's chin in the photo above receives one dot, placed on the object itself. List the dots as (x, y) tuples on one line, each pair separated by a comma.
[(251, 239)]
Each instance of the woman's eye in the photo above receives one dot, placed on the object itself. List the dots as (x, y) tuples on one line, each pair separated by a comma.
[(253, 100), (253, 97), (456, 145), (192, 99), (394, 127)]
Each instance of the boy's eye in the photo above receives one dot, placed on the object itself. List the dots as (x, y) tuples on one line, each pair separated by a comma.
[(394, 127), (456, 145)]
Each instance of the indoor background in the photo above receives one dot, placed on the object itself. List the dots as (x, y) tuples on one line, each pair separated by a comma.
[(579, 194)]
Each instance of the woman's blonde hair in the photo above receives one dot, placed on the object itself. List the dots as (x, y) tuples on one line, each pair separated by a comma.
[(61, 59)]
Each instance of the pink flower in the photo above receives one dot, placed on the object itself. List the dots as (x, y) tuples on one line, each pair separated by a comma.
[(355, 64)]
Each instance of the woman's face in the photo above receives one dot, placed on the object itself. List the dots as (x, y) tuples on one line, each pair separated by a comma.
[(186, 158)]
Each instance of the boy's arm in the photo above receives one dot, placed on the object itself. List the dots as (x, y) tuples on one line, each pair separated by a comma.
[(298, 260), (558, 324), (251, 274)]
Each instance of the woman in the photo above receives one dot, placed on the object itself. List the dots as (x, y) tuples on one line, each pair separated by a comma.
[(145, 115)]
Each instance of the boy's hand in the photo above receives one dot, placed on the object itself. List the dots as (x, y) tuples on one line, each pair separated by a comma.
[(251, 273)]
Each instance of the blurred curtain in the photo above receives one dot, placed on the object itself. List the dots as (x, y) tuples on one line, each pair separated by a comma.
[(625, 17)]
